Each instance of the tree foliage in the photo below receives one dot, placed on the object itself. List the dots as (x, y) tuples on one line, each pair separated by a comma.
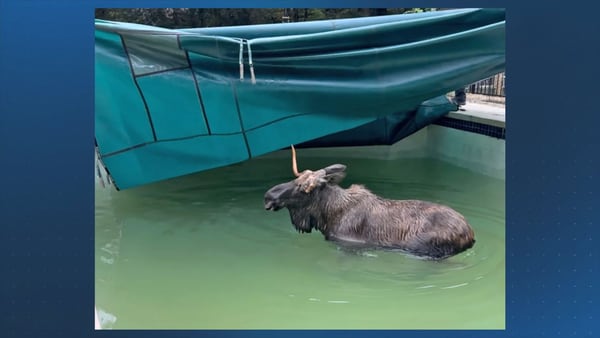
[(213, 17)]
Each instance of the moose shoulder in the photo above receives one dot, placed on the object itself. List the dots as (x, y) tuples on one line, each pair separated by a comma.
[(316, 201)]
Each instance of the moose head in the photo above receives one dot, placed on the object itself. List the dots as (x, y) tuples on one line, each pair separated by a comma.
[(300, 191)]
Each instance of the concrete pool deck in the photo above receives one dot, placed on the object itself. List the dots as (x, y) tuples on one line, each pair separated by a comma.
[(487, 113)]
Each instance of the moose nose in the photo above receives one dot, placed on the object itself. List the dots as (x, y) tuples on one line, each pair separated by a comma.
[(268, 205)]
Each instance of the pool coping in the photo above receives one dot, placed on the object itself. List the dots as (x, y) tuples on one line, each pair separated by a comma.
[(490, 114), (479, 118)]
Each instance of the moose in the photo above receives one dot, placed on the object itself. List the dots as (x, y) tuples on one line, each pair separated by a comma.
[(356, 216)]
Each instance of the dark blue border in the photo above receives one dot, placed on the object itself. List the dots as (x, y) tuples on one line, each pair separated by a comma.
[(47, 201)]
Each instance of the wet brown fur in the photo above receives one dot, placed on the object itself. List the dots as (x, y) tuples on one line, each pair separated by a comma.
[(356, 215)]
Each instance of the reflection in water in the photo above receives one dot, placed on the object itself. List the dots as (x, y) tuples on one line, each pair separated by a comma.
[(200, 252)]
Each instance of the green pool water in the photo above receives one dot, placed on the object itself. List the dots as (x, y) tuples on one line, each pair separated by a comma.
[(200, 252)]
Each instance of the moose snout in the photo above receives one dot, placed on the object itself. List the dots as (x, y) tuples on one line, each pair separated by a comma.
[(270, 200), (276, 196), (272, 204), (268, 205)]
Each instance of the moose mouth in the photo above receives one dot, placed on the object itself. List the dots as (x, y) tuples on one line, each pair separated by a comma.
[(272, 205)]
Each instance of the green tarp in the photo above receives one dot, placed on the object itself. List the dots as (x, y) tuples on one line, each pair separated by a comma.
[(175, 102)]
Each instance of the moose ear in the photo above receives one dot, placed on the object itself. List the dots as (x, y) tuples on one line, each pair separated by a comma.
[(334, 168), (335, 173)]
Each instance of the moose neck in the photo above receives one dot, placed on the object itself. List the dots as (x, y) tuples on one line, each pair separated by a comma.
[(323, 213), (335, 199)]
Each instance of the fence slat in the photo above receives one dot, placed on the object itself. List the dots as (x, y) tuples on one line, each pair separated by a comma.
[(492, 86)]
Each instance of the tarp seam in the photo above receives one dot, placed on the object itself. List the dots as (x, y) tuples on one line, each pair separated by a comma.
[(137, 85), (161, 71), (196, 85), (237, 107)]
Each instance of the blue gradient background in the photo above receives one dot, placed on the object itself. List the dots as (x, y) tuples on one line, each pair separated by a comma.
[(46, 154)]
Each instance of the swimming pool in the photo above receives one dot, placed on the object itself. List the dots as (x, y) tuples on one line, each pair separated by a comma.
[(201, 252)]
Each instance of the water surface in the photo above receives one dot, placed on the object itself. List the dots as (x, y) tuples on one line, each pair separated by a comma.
[(201, 252)]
